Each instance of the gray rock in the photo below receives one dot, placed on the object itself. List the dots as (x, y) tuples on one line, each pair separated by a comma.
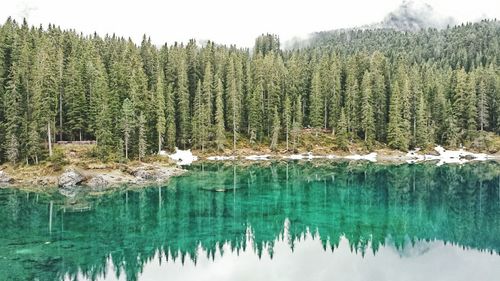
[(155, 173), (71, 191), (4, 178), (98, 183), (70, 177), (468, 157)]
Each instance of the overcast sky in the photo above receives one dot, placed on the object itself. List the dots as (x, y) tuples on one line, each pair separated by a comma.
[(223, 21)]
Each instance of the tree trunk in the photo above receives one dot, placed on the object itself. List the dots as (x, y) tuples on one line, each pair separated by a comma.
[(49, 136), (126, 149), (159, 143)]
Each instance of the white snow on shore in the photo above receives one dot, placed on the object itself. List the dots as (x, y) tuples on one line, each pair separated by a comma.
[(183, 157), (221, 158), (372, 157), (258, 157), (447, 156)]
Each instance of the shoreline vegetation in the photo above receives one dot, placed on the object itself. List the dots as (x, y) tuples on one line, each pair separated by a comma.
[(75, 168)]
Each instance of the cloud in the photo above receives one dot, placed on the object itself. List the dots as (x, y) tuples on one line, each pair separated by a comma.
[(25, 9)]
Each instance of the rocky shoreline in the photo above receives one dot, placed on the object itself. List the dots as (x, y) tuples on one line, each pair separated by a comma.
[(101, 178), (73, 178)]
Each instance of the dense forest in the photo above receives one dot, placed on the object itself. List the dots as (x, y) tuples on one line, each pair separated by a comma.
[(375, 87)]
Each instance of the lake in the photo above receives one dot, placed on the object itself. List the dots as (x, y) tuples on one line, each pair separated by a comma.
[(267, 221)]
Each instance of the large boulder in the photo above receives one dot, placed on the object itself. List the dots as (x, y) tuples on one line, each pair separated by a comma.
[(70, 177), (4, 177)]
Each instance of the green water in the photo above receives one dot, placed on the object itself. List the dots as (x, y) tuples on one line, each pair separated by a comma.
[(280, 221)]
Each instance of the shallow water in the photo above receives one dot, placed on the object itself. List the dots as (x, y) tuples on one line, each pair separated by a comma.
[(275, 221)]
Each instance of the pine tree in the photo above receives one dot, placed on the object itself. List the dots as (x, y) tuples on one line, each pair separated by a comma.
[(287, 119), (275, 129), (450, 130), (220, 137), (422, 133), (351, 96), (198, 118), (315, 104), (367, 114), (141, 143), (482, 105), (182, 97), (470, 109), (170, 132), (75, 98), (254, 113), (459, 98), (297, 121), (127, 123), (160, 109), (395, 135), (341, 137), (13, 120)]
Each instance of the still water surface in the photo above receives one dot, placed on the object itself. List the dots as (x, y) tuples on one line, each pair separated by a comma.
[(279, 221)]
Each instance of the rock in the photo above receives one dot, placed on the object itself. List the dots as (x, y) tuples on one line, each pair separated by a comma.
[(4, 178), (70, 177), (98, 182), (468, 157), (70, 191), (155, 173)]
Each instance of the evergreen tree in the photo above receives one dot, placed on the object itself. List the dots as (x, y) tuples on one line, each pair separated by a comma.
[(422, 133), (127, 124), (367, 114), (395, 134), (183, 121), (254, 113), (170, 132), (315, 104), (160, 109), (470, 109), (74, 99), (276, 127), (450, 130), (220, 137), (141, 143), (482, 105), (341, 137), (287, 119), (297, 121)]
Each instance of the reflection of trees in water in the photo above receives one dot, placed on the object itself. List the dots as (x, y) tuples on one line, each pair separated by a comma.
[(366, 203)]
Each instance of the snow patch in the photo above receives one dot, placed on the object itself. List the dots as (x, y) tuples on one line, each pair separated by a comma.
[(372, 157), (258, 157), (221, 158), (294, 157), (460, 156), (183, 157)]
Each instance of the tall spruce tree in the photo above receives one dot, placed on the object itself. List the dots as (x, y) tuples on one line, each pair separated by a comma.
[(341, 137), (128, 123), (220, 137)]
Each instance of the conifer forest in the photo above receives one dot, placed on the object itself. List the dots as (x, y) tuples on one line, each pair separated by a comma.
[(372, 87)]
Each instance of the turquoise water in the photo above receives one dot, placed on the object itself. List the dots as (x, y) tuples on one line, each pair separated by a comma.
[(279, 221)]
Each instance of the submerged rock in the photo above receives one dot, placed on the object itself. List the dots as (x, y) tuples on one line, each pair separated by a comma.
[(5, 178), (155, 173), (70, 177)]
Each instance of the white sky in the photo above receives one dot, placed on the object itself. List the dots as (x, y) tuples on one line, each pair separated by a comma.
[(223, 21)]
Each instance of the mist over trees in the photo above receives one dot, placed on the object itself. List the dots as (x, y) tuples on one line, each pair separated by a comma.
[(377, 87)]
